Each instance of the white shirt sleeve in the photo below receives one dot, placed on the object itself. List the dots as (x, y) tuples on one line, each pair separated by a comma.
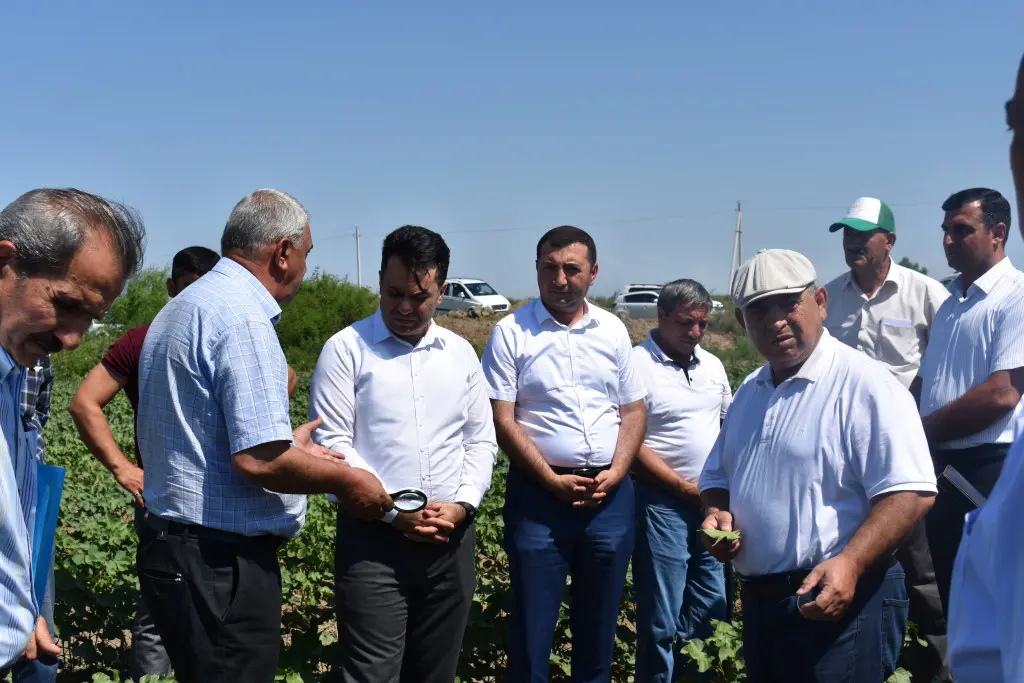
[(500, 373), (889, 450), (631, 386), (478, 439), (1008, 336), (332, 397), (714, 476), (723, 378)]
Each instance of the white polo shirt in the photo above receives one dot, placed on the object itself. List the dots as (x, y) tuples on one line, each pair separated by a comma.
[(974, 334), (567, 383), (986, 600), (892, 325), (803, 460), (685, 406)]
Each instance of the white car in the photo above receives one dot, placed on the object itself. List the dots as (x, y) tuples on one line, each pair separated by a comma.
[(629, 289), (639, 305), (643, 304), (461, 293)]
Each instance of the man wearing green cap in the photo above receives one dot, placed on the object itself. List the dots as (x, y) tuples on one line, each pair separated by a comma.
[(880, 307), (886, 310)]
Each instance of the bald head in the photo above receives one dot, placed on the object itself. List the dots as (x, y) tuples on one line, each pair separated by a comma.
[(1015, 119)]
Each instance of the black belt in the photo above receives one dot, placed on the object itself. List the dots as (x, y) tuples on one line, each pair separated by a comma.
[(172, 528), (589, 472), (785, 584)]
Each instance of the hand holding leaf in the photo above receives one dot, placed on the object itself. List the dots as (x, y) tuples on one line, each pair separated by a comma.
[(719, 535)]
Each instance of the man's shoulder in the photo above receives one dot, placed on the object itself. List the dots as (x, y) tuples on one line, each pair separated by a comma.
[(523, 317), (918, 281), (857, 369), (706, 356), (836, 284), (453, 341)]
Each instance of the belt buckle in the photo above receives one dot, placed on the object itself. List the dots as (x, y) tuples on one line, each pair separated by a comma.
[(588, 472)]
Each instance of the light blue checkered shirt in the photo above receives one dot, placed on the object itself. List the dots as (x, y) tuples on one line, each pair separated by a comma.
[(17, 517), (213, 381)]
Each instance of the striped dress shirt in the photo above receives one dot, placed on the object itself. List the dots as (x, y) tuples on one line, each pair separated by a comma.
[(17, 517), (213, 381), (35, 403), (975, 334)]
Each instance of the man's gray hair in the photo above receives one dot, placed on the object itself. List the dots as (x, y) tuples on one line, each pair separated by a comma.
[(688, 292), (264, 217), (48, 226)]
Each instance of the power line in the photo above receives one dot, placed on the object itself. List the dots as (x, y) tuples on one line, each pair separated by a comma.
[(655, 219)]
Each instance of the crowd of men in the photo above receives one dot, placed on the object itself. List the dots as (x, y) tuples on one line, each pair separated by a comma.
[(874, 442)]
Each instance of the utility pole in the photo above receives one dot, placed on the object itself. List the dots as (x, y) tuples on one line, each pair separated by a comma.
[(737, 246), (359, 261)]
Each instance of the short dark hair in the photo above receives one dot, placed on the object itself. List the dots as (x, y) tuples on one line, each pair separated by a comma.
[(193, 261), (565, 235), (685, 291), (995, 208), (418, 249)]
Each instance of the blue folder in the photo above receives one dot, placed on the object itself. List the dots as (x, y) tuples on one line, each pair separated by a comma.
[(50, 486)]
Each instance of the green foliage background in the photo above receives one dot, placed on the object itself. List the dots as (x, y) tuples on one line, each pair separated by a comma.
[(95, 563)]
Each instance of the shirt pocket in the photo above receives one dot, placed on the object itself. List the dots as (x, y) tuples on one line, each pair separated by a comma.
[(897, 343)]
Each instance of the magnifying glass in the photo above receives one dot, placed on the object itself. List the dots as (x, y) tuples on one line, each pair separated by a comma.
[(409, 500)]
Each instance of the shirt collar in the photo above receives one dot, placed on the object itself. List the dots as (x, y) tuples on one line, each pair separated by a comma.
[(659, 353), (813, 368), (380, 332), (236, 271), (895, 276), (987, 281), (7, 364), (542, 314)]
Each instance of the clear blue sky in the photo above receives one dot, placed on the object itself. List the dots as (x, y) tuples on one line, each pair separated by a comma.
[(490, 122)]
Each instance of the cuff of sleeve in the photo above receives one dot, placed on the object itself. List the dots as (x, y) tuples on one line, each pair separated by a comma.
[(389, 516), (495, 395), (469, 494), (633, 397), (708, 484), (915, 486)]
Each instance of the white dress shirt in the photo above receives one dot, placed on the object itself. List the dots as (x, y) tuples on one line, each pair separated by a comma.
[(975, 334), (803, 460), (892, 325), (567, 383), (986, 600), (414, 416), (685, 406)]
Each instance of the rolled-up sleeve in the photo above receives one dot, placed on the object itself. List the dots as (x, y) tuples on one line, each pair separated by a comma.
[(332, 398), (478, 439), (501, 376), (251, 383)]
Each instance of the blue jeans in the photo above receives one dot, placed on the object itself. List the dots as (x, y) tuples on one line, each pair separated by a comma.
[(680, 587), (781, 646), (547, 540), (39, 671)]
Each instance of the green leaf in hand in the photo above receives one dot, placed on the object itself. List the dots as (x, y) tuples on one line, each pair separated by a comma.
[(720, 535)]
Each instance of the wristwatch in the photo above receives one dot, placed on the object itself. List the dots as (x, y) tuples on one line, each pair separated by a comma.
[(470, 511)]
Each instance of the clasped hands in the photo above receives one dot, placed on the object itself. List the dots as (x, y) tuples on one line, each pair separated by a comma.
[(433, 524), (585, 492)]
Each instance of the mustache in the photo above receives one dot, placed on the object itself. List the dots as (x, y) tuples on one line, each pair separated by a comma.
[(48, 342)]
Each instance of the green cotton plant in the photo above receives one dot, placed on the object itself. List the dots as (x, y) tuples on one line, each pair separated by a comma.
[(719, 653)]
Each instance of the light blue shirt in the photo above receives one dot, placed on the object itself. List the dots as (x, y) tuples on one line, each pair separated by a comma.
[(986, 599), (17, 517), (213, 381)]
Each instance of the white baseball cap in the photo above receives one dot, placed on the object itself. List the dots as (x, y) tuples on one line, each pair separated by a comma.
[(770, 272)]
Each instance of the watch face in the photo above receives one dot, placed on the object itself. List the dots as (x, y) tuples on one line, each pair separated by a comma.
[(409, 500)]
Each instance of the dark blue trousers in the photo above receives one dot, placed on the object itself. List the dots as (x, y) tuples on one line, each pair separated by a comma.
[(781, 646), (548, 540)]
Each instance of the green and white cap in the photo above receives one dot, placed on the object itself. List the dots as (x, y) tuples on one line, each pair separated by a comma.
[(866, 214)]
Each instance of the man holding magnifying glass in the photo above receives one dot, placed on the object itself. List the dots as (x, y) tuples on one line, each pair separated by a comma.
[(404, 399)]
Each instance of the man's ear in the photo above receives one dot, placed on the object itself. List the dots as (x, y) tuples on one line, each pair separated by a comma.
[(8, 252), (1001, 232)]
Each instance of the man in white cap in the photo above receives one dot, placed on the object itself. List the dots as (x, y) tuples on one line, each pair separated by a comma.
[(823, 467), (886, 310)]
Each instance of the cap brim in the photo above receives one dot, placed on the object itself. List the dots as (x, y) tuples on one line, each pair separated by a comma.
[(855, 224), (774, 292)]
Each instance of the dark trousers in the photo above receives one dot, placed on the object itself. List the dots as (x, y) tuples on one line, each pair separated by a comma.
[(148, 655), (402, 605), (781, 646), (547, 540), (215, 599), (981, 466), (927, 663)]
